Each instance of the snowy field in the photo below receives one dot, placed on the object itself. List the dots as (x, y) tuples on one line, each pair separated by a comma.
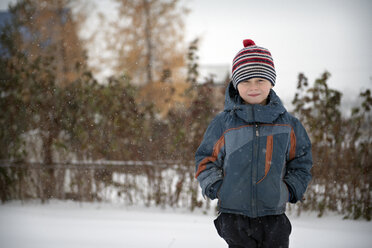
[(67, 224)]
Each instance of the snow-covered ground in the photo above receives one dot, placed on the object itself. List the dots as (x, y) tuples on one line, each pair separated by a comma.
[(69, 224)]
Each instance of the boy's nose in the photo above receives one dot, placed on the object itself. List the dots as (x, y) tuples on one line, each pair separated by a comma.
[(254, 86)]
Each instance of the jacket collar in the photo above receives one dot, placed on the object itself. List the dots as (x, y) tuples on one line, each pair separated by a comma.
[(253, 113)]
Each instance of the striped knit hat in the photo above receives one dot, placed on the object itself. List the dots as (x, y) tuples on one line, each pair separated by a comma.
[(253, 61)]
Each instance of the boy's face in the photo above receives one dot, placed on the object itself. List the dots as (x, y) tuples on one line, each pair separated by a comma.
[(255, 90)]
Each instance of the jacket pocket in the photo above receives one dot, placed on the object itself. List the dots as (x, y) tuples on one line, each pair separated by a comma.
[(236, 191), (269, 193), (287, 190), (284, 194)]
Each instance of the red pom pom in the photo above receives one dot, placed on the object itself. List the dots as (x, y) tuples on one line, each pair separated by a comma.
[(248, 42)]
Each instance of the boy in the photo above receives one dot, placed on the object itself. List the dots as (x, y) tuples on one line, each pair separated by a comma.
[(254, 156)]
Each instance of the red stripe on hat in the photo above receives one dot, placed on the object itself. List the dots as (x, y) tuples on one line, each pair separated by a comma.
[(253, 60), (253, 51)]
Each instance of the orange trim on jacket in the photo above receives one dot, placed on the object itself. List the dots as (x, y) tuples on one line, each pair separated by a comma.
[(216, 149), (269, 155), (292, 151)]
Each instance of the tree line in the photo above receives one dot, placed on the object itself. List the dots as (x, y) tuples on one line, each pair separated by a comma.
[(341, 146), (54, 113)]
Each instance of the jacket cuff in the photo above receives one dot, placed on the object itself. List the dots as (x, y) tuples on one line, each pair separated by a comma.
[(212, 190)]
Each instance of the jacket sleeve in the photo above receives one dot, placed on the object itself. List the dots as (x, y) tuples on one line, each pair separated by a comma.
[(298, 174), (209, 158)]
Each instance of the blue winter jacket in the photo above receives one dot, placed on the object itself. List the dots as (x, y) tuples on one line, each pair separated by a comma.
[(254, 158)]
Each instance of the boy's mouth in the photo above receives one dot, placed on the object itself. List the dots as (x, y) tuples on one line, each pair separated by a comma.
[(253, 95)]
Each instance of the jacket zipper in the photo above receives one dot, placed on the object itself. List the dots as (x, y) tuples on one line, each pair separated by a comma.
[(254, 170)]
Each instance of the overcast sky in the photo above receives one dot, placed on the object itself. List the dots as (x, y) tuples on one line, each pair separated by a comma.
[(303, 36)]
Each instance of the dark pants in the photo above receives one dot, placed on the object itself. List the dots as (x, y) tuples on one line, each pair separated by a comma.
[(239, 231)]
